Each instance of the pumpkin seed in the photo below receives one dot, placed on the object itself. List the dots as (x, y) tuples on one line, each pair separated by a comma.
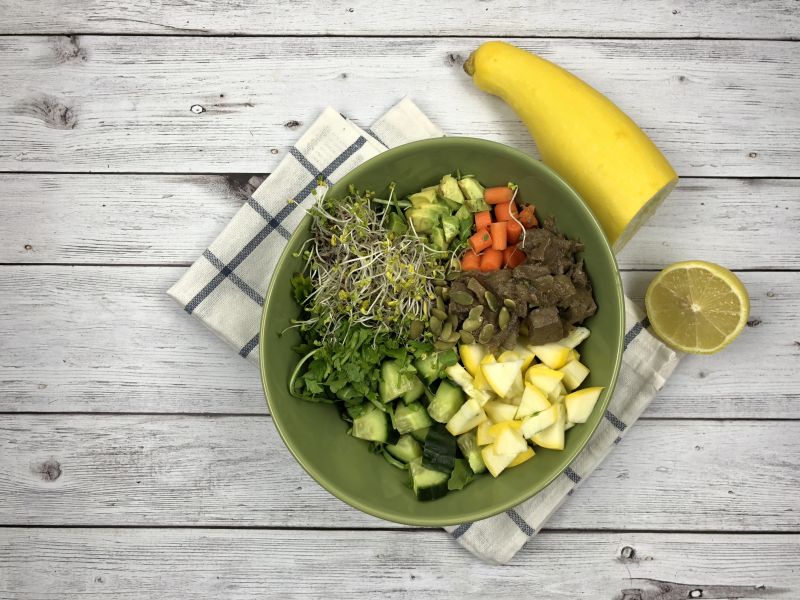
[(454, 337), (440, 282), (476, 312), (503, 318), (439, 314), (467, 337), (446, 294), (415, 329), (440, 305), (453, 320), (447, 330), (486, 333), (491, 301), (435, 325), (471, 324), (523, 330), (462, 297), (442, 345), (509, 303), (451, 275)]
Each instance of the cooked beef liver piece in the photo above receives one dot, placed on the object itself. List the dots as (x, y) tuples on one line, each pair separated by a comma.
[(544, 325)]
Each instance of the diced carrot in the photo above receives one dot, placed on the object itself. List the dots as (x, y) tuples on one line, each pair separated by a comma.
[(497, 195), (513, 257), (498, 231), (503, 212), (480, 241), (491, 260), (470, 261), (527, 216), (483, 219), (514, 232)]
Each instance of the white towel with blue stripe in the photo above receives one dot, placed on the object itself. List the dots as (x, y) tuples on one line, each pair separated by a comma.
[(225, 289)]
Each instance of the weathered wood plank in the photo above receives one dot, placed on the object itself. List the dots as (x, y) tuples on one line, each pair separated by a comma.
[(721, 108), (199, 471), (604, 18), (177, 564), (109, 339), (169, 219)]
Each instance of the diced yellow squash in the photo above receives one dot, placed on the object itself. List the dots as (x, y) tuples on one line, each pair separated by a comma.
[(515, 400), (540, 421), (580, 403), (533, 401), (508, 356), (525, 354), (500, 411), (517, 387), (553, 436), (495, 462), (483, 434), (496, 428), (574, 355), (553, 355), (574, 374), (575, 337), (471, 355), (520, 458), (502, 376), (568, 425), (510, 441), (468, 417), (545, 378), (463, 379), (481, 382)]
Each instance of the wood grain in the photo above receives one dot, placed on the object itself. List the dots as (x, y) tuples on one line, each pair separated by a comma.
[(109, 339), (170, 219), (176, 564), (235, 471), (603, 18), (109, 103)]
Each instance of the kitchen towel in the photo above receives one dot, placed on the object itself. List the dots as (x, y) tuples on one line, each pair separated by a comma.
[(225, 289)]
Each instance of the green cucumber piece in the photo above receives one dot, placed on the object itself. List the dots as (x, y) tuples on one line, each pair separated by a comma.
[(393, 383), (406, 449), (439, 450), (426, 483), (371, 425), (408, 417), (416, 391), (420, 434), (448, 399), (468, 444)]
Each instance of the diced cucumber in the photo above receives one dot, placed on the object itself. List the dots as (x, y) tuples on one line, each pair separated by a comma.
[(372, 425), (416, 391), (420, 434), (406, 449), (408, 417), (439, 450), (427, 483), (461, 476), (393, 383), (448, 399), (428, 367), (468, 444)]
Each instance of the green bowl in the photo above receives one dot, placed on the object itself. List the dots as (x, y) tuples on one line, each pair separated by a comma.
[(315, 434)]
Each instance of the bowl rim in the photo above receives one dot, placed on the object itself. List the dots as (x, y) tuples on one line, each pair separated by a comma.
[(568, 457)]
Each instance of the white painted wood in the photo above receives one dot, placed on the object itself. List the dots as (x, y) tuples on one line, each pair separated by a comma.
[(109, 339), (178, 564), (603, 18), (721, 108), (235, 471), (169, 219)]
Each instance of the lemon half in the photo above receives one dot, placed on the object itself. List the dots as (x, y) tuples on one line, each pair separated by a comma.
[(697, 306)]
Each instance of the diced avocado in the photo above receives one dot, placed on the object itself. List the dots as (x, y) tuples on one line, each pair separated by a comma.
[(438, 238), (425, 196), (425, 218), (473, 193), (464, 215), (396, 224), (450, 225), (450, 190)]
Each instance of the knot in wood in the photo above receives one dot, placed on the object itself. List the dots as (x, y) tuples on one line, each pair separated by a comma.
[(628, 553), (49, 470), (197, 109)]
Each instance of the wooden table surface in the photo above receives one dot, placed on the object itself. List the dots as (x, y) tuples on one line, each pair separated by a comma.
[(137, 457)]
